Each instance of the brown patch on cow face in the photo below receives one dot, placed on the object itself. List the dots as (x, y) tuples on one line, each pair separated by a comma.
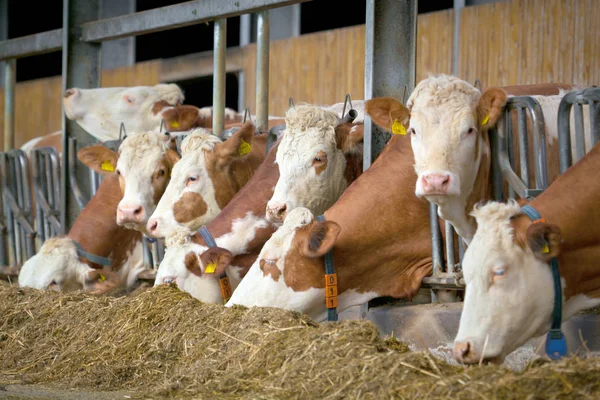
[(189, 207), (192, 263), (269, 267), (159, 105), (320, 162), (162, 174)]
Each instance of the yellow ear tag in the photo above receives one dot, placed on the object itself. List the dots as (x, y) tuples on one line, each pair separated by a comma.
[(210, 268), (107, 166), (545, 249), (485, 120), (245, 148), (398, 128), (174, 124), (101, 278)]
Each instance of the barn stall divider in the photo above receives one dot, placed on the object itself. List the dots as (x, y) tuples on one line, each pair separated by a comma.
[(389, 68)]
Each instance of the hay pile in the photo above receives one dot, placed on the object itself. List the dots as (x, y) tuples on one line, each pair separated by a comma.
[(162, 342)]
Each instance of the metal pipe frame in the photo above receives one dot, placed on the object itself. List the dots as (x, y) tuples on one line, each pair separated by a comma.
[(504, 144), (590, 96), (31, 45), (10, 79), (175, 16), (262, 71), (218, 105), (46, 179)]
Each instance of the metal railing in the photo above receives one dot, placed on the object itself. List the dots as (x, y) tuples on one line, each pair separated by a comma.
[(45, 165)]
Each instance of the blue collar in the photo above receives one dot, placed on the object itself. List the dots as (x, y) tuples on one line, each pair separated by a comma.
[(94, 259), (226, 290), (331, 300), (556, 344)]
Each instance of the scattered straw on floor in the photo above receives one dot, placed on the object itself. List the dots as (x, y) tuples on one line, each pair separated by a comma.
[(162, 342)]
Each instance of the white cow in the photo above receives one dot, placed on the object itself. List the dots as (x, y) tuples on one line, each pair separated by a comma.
[(317, 157)]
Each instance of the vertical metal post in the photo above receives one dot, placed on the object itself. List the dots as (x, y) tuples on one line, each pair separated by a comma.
[(391, 28), (220, 44), (245, 33), (80, 68), (450, 256), (10, 79), (436, 239), (458, 6), (262, 71)]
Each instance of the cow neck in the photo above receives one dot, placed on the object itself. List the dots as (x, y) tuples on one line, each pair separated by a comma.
[(388, 254), (252, 198), (482, 187), (96, 228), (571, 202)]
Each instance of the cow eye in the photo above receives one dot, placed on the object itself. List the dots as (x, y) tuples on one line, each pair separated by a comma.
[(54, 286), (161, 172), (411, 131), (168, 280), (190, 180), (498, 273), (318, 159), (118, 172), (470, 131)]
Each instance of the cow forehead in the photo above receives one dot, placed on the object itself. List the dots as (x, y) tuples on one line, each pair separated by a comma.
[(199, 139), (297, 148), (443, 89), (142, 150)]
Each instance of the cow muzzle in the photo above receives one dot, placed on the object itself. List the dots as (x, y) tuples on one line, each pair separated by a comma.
[(465, 353), (134, 214), (437, 184), (153, 226), (276, 212)]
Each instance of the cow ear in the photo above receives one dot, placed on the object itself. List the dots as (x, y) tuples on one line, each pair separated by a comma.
[(322, 236), (182, 118), (348, 137), (100, 281), (389, 114), (490, 107), (171, 156), (544, 240), (238, 145), (99, 158), (216, 260)]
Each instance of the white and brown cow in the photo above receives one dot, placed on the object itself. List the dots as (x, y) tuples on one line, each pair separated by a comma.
[(100, 111), (143, 165), (509, 296), (206, 178), (382, 250), (449, 123), (318, 157)]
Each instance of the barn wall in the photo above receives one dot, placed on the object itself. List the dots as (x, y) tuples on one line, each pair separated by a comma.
[(502, 43)]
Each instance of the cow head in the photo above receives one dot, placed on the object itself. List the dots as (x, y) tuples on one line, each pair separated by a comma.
[(197, 275), (144, 165), (57, 267), (202, 182), (101, 111), (509, 295), (289, 271), (312, 161)]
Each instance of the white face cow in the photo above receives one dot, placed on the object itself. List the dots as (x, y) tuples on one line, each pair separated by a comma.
[(449, 120), (144, 165), (509, 295), (202, 182), (57, 266), (101, 111), (183, 265), (281, 277), (312, 161)]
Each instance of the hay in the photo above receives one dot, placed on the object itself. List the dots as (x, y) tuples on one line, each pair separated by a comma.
[(162, 343)]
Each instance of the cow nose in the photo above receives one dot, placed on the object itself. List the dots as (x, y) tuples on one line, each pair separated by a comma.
[(69, 93), (152, 226), (436, 183), (130, 213), (277, 212), (462, 351)]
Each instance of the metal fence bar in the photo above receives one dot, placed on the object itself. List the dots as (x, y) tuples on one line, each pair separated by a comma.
[(10, 79), (262, 71), (175, 16), (436, 240), (46, 179), (450, 248), (218, 106), (31, 45), (523, 145), (579, 131)]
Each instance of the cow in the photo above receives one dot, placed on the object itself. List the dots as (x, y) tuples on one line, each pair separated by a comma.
[(510, 289), (58, 266), (449, 124), (101, 111), (143, 165), (318, 157), (209, 174), (378, 233)]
